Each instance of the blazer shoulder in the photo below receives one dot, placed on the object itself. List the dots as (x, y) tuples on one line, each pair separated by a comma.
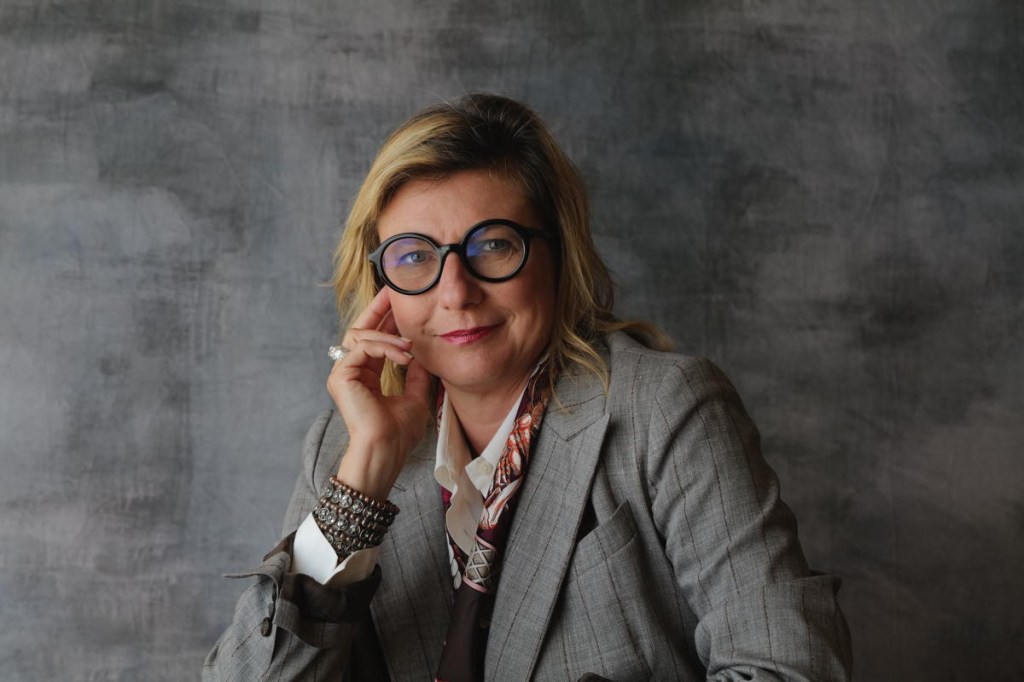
[(638, 371)]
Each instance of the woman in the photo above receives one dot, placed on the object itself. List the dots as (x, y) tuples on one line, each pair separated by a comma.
[(584, 505)]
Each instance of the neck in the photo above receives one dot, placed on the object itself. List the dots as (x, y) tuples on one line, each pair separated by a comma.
[(481, 415)]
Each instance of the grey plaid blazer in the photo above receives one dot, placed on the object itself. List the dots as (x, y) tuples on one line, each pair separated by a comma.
[(650, 543)]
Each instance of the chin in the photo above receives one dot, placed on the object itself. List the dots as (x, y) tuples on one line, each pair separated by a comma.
[(471, 378), (466, 380)]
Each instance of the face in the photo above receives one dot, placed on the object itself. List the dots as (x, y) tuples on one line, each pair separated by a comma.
[(477, 337)]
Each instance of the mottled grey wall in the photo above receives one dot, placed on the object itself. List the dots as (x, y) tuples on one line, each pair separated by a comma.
[(825, 196)]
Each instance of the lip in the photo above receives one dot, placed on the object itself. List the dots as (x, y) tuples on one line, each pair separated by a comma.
[(462, 337)]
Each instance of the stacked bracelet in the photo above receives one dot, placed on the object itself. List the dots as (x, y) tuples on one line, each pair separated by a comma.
[(350, 520)]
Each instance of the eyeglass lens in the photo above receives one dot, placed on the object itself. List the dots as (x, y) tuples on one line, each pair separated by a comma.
[(492, 252)]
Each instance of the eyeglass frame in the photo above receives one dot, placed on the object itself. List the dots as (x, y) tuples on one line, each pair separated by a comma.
[(458, 248)]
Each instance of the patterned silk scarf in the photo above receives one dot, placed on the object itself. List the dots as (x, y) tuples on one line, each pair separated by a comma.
[(462, 659)]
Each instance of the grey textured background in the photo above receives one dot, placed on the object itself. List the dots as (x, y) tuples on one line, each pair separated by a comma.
[(824, 196)]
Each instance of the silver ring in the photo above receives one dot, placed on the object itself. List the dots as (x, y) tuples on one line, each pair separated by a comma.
[(337, 352)]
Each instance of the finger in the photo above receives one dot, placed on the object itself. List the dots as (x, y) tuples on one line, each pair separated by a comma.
[(363, 376), (388, 324), (369, 350), (367, 371), (372, 315), (391, 323), (356, 336)]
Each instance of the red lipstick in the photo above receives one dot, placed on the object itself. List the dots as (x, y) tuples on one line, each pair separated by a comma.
[(462, 337)]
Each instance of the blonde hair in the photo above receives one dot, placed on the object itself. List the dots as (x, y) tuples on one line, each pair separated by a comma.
[(502, 136)]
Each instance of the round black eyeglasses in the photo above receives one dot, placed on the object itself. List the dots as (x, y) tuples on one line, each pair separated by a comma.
[(493, 251)]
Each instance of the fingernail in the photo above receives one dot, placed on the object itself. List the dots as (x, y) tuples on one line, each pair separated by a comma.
[(408, 354)]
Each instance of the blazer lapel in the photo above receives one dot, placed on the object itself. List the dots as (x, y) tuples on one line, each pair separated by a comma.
[(414, 598), (545, 527)]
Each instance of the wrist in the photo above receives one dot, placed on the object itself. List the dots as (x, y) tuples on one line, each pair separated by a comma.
[(370, 471)]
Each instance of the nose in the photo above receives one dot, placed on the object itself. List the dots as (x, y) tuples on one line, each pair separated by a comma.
[(457, 288)]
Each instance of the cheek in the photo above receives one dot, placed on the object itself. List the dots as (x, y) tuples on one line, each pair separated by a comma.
[(538, 303), (542, 292)]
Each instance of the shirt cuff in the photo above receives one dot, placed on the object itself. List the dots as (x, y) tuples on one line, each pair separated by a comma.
[(312, 555)]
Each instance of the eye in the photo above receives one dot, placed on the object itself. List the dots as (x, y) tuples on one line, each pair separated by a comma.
[(414, 258), (494, 245), (408, 254), (495, 242)]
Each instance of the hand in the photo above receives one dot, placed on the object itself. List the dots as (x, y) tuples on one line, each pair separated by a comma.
[(382, 429)]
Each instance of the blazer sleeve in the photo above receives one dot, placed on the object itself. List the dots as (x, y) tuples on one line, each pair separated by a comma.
[(288, 626), (762, 614)]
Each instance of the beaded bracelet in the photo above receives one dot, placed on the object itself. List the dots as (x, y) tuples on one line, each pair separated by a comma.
[(348, 498), (337, 521), (361, 520), (351, 521), (344, 536)]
